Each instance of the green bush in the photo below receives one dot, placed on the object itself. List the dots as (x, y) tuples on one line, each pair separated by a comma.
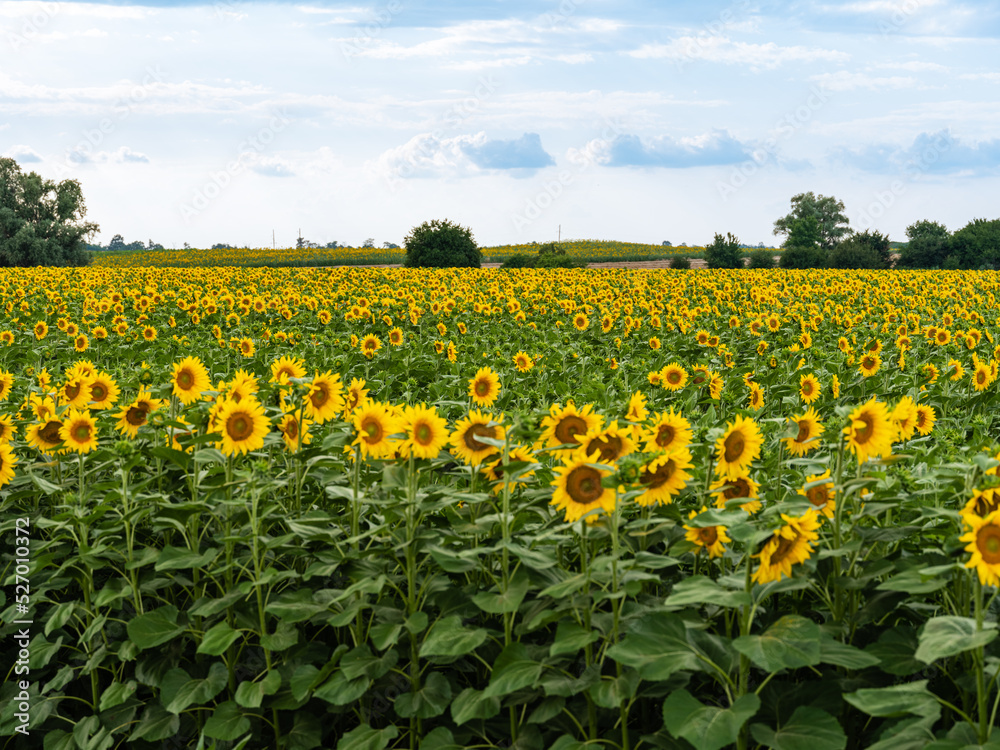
[(802, 257), (681, 262), (867, 249), (762, 258), (724, 252), (441, 244)]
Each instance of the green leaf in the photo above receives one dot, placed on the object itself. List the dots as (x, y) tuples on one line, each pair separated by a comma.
[(178, 558), (217, 639), (154, 628), (895, 648), (790, 643), (447, 637), (707, 727), (571, 637), (808, 728), (227, 722), (251, 694), (842, 655), (472, 704), (547, 710), (508, 601), (366, 738), (156, 724), (284, 637), (339, 690), (946, 636), (512, 671), (178, 689), (896, 700), (361, 661), (431, 700), (656, 646), (440, 739), (117, 693), (306, 733), (700, 590), (295, 606), (611, 692)]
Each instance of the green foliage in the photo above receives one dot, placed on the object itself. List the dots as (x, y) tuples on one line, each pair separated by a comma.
[(41, 221), (831, 222), (724, 252), (802, 248), (680, 262), (762, 258), (550, 255), (867, 249), (977, 244), (441, 244), (928, 245)]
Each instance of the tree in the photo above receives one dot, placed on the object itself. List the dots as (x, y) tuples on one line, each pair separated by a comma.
[(41, 221), (927, 247), (370, 242), (802, 249), (332, 245), (761, 258), (390, 245), (441, 244), (724, 252), (867, 249), (828, 212), (117, 243), (976, 245)]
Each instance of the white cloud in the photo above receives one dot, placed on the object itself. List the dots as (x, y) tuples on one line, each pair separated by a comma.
[(721, 49), (22, 153), (30, 10), (429, 155), (915, 66), (844, 80)]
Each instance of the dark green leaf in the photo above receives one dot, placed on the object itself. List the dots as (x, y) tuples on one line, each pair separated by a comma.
[(707, 727), (227, 722), (154, 628), (808, 729), (790, 643)]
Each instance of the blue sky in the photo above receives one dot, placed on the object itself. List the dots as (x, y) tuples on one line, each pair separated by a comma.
[(638, 121)]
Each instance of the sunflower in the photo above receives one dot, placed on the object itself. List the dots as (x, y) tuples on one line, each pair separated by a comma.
[(494, 470), (715, 385), (243, 384), (581, 322), (742, 487), (664, 476), (325, 398), (607, 323), (809, 388), (925, 419), (356, 393), (579, 489), (75, 391), (286, 367), (669, 432), (655, 378), (930, 372), (149, 333), (7, 337), (484, 387), (103, 391), (7, 428), (396, 336), (7, 462), (869, 364), (247, 347), (610, 443), (465, 437), (374, 424), (789, 545), (242, 425), (756, 397), (426, 432), (6, 383), (809, 428), (981, 376), (100, 332), (654, 343), (871, 432), (984, 545), (81, 342), (370, 344), (41, 330), (673, 377), (904, 414), (983, 502), (637, 411), (136, 414), (523, 362), (957, 371), (78, 431), (820, 493), (44, 435), (712, 538), (190, 378), (294, 434), (565, 426), (737, 448)]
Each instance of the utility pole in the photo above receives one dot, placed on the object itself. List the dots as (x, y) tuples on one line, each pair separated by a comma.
[(274, 245), (560, 234)]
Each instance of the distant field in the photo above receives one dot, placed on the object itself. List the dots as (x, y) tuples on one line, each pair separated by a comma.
[(591, 251)]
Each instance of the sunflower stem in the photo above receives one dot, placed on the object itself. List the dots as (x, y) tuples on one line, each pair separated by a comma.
[(981, 688)]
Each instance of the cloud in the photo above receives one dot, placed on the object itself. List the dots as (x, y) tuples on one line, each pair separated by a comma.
[(709, 149), (124, 155), (23, 154), (721, 49), (843, 80), (932, 153), (426, 155), (271, 167)]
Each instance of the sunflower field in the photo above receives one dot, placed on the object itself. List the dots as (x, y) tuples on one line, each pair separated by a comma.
[(390, 508)]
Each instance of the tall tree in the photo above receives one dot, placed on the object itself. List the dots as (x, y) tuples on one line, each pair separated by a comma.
[(828, 212), (802, 248), (976, 245), (41, 221), (927, 247), (724, 252)]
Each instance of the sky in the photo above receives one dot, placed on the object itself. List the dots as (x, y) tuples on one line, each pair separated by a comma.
[(247, 123)]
